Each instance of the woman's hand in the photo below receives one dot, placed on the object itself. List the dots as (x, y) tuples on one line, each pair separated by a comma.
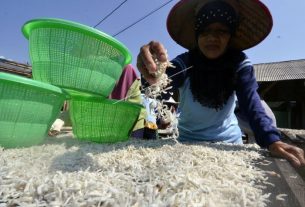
[(145, 62), (294, 155)]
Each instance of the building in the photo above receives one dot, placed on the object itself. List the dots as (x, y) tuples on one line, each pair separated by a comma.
[(13, 67), (282, 86)]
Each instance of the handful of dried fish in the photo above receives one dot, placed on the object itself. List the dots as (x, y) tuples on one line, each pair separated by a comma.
[(161, 66), (155, 91)]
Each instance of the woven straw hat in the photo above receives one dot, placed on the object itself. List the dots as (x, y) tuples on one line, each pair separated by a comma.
[(255, 22)]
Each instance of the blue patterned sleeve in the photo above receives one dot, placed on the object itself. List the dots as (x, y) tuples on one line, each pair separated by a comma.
[(250, 105)]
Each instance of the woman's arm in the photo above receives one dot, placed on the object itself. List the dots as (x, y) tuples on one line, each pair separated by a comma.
[(266, 134), (250, 104)]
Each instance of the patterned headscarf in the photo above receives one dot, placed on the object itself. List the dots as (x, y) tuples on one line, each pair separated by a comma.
[(216, 11)]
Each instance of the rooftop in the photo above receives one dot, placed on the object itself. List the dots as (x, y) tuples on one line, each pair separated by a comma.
[(278, 71), (13, 67)]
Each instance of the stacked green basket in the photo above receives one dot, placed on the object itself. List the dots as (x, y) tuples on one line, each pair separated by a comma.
[(27, 110), (74, 56), (87, 64), (102, 120)]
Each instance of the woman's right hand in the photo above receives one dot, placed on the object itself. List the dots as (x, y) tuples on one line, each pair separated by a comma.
[(145, 62)]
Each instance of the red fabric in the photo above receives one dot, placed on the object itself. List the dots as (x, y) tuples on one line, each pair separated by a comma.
[(126, 80)]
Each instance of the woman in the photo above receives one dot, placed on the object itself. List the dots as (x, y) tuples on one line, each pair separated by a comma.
[(215, 71)]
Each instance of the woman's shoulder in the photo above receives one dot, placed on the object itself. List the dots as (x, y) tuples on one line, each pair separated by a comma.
[(241, 60), (237, 56), (182, 61)]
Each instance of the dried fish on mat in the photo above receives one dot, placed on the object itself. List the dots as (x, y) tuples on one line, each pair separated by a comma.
[(65, 172)]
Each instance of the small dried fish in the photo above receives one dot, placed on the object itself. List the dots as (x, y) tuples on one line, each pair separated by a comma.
[(132, 173), (280, 197), (161, 66), (155, 92)]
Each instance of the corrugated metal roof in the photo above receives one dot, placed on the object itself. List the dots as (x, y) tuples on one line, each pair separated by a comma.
[(15, 68), (277, 71)]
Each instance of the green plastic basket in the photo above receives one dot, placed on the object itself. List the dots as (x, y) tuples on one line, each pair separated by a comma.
[(102, 120), (27, 110), (74, 56)]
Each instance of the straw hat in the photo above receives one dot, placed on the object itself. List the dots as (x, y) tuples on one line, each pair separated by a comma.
[(255, 22)]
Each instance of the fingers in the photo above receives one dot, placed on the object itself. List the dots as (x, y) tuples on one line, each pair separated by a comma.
[(299, 154), (144, 71), (291, 157), (158, 49), (293, 154), (147, 59), (146, 63)]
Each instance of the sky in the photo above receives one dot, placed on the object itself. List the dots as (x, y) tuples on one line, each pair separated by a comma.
[(285, 42)]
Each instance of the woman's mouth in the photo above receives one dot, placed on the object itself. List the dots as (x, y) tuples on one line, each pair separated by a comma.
[(212, 47)]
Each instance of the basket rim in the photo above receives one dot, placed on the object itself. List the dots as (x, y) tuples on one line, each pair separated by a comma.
[(102, 99), (5, 77), (30, 25)]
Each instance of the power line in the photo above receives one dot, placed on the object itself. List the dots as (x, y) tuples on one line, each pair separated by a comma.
[(110, 14), (150, 13)]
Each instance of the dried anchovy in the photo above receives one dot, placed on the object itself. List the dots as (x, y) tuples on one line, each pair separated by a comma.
[(132, 173), (280, 197), (161, 66), (155, 92)]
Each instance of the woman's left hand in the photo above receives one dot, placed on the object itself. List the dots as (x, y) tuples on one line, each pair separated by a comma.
[(293, 154)]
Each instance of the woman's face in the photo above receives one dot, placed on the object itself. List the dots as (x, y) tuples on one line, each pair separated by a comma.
[(213, 40)]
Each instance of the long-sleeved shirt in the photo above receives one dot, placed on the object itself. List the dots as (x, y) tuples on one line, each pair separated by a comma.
[(199, 123)]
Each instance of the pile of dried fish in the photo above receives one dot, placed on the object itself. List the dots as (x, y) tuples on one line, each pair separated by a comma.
[(65, 172)]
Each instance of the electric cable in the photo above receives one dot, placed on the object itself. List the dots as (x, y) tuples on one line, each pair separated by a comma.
[(108, 15), (150, 13)]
